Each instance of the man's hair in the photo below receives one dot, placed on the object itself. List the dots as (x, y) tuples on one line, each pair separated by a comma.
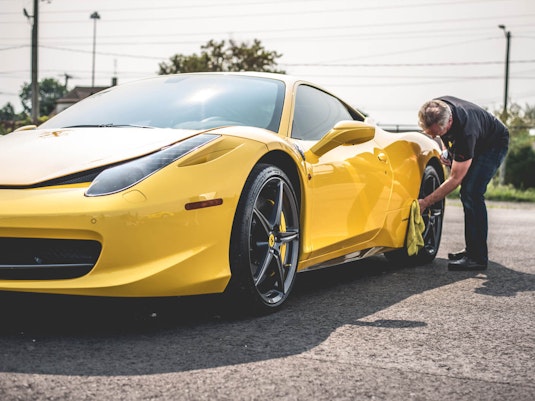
[(434, 112)]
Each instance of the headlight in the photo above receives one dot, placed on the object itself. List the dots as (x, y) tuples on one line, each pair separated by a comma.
[(119, 178)]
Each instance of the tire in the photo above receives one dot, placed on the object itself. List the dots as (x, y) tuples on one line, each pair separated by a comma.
[(433, 219), (264, 246)]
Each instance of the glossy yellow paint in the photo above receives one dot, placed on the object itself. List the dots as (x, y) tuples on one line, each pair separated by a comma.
[(355, 186), (176, 258), (360, 196)]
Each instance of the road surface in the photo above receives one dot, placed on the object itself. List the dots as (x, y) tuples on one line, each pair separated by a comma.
[(361, 331)]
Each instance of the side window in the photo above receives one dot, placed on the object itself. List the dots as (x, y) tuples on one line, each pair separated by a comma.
[(316, 112)]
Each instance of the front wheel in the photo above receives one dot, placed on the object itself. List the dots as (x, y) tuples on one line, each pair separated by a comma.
[(433, 218), (264, 247)]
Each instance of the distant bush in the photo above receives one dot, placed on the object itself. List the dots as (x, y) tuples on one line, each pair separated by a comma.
[(520, 166)]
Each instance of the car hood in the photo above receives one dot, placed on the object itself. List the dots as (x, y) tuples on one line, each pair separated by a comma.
[(34, 156)]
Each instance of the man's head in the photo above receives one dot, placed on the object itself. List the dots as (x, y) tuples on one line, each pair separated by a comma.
[(434, 117)]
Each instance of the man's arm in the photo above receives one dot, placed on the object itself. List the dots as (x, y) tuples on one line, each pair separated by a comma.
[(457, 173)]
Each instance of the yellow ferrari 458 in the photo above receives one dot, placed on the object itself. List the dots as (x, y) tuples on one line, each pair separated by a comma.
[(207, 183)]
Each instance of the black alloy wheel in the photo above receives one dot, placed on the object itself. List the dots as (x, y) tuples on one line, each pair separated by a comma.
[(264, 247), (433, 217)]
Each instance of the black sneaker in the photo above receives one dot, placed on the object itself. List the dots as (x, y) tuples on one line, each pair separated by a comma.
[(466, 264), (457, 255)]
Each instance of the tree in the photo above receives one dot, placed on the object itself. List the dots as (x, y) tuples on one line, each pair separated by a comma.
[(7, 119), (520, 166), (216, 56), (7, 113), (50, 90), (520, 160)]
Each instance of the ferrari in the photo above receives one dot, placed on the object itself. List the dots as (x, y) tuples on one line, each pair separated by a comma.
[(208, 183)]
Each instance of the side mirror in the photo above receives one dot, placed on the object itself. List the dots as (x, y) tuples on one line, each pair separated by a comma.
[(343, 133)]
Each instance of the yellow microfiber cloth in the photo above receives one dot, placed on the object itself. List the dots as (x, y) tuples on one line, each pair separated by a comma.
[(414, 240)]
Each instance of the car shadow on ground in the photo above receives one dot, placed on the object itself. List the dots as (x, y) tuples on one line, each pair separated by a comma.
[(42, 334)]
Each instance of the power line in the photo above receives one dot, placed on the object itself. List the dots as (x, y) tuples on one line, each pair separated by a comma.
[(137, 56), (210, 5), (435, 64), (268, 14), (461, 63), (331, 64)]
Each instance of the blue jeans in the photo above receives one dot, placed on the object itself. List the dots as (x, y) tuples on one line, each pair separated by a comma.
[(473, 189)]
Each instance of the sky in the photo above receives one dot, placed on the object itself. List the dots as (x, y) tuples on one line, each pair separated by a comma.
[(386, 57)]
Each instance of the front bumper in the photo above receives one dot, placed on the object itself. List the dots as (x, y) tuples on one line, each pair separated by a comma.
[(145, 245)]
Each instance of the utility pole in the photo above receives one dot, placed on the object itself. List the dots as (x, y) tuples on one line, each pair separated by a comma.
[(506, 92), (67, 77), (35, 47), (95, 16)]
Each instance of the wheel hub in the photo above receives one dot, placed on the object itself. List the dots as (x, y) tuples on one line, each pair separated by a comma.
[(271, 240)]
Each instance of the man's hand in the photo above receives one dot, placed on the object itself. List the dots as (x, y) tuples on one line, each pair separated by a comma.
[(423, 205), (444, 158)]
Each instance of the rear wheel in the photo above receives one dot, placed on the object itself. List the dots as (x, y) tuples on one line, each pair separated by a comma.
[(433, 218), (264, 245)]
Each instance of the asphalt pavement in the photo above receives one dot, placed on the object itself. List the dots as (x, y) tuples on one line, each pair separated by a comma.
[(360, 331)]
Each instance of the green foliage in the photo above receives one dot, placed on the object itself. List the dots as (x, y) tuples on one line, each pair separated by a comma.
[(217, 56), (21, 120), (9, 119), (6, 127), (520, 166), (520, 161), (7, 112), (50, 90)]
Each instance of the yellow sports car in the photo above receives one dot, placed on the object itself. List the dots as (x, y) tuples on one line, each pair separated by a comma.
[(207, 183)]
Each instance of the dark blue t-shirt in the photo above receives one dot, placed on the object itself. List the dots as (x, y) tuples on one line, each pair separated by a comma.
[(473, 131)]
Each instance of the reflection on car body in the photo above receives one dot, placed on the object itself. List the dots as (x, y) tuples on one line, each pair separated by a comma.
[(207, 183)]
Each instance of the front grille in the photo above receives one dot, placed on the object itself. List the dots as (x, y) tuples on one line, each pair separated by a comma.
[(46, 259)]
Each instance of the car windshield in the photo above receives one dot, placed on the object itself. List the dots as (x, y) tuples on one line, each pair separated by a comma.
[(181, 101)]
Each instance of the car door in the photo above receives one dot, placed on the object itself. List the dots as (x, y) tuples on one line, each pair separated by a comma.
[(349, 186)]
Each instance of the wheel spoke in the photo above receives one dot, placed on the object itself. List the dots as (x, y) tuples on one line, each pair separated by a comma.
[(263, 220), (288, 236), (436, 221), (260, 277), (275, 217), (279, 271), (431, 234)]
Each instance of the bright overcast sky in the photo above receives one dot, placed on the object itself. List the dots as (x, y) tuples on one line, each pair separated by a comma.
[(384, 56)]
